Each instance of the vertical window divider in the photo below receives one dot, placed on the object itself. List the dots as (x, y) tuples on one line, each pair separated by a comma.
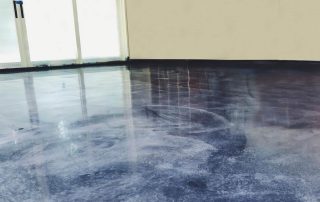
[(77, 31), (123, 28), (21, 30)]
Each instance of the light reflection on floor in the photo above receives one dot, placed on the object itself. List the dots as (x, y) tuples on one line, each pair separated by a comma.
[(160, 133)]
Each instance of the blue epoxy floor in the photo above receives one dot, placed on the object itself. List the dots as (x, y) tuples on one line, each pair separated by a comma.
[(160, 133)]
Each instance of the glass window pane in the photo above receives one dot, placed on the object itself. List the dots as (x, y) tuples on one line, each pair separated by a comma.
[(98, 21), (50, 29), (9, 49)]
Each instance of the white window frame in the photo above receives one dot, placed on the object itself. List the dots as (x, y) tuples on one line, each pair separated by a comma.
[(24, 47)]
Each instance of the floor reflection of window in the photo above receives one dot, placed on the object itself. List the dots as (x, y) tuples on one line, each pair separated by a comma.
[(14, 113), (104, 91), (58, 97)]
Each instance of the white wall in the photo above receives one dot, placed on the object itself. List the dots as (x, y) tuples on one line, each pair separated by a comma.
[(224, 29)]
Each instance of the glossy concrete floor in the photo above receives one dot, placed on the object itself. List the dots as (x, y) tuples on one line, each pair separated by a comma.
[(160, 133)]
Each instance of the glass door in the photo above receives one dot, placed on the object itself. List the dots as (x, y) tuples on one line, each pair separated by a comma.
[(51, 33), (99, 28), (9, 48), (37, 32)]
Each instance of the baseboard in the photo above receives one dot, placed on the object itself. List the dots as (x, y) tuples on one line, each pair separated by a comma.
[(170, 62), (69, 66), (229, 63)]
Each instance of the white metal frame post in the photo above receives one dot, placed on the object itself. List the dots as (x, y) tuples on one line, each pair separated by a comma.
[(123, 29), (77, 31), (22, 33)]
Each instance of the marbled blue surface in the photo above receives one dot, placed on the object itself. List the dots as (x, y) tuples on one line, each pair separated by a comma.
[(160, 133)]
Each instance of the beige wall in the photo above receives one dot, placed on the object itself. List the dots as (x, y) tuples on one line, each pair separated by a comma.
[(224, 29)]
